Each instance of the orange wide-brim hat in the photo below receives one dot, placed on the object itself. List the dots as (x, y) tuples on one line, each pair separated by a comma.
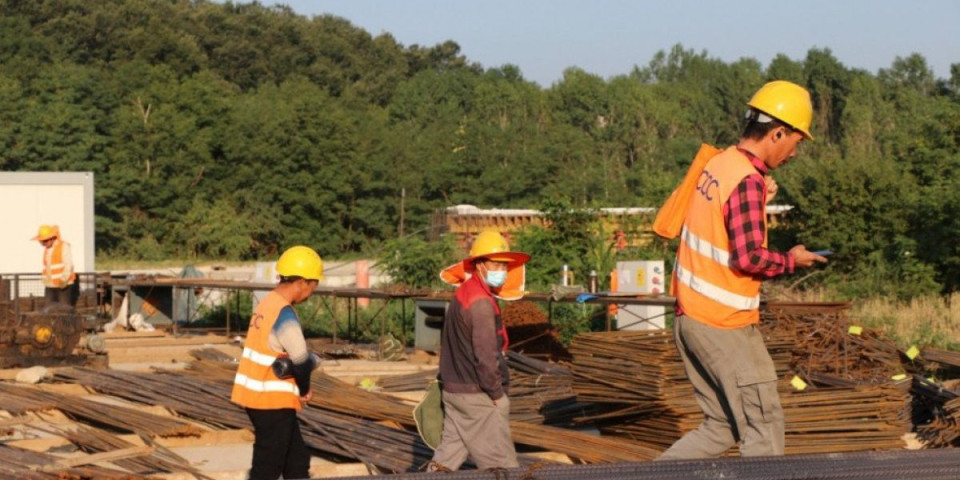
[(512, 288)]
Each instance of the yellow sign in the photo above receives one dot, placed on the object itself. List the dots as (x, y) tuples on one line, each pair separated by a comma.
[(798, 383), (912, 352), (855, 330)]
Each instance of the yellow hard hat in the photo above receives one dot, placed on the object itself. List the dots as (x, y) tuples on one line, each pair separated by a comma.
[(786, 101), (300, 261), (491, 245), (46, 232)]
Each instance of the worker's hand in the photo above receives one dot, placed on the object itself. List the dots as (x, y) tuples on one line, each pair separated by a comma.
[(772, 187), (306, 398), (804, 258)]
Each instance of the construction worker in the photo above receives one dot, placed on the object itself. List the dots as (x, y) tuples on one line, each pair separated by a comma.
[(272, 402), (473, 372), (59, 280), (721, 260)]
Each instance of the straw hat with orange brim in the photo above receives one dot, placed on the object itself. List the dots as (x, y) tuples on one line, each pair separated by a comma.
[(490, 245), (46, 232)]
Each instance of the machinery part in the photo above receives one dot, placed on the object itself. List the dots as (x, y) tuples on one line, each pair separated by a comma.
[(95, 343), (43, 337)]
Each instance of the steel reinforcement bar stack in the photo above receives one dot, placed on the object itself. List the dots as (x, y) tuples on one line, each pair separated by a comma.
[(888, 465), (640, 377)]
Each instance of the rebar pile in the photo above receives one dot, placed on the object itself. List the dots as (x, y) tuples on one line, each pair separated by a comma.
[(542, 392), (192, 398), (946, 362), (938, 408), (640, 376), (631, 367), (22, 464), (824, 343), (205, 397), (817, 421), (118, 417), (531, 333), (93, 440)]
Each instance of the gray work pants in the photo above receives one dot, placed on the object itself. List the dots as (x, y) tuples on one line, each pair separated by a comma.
[(66, 296), (474, 426), (735, 384)]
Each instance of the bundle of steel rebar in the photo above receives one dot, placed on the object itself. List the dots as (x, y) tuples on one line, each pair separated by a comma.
[(116, 416), (629, 367), (640, 374), (943, 360), (22, 464), (817, 420), (540, 391), (408, 382), (824, 342), (206, 399), (93, 440), (937, 408)]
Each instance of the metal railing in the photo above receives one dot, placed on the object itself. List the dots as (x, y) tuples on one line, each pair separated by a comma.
[(24, 292)]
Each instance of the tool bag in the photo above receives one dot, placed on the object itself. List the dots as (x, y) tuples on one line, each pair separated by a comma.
[(671, 215), (428, 414)]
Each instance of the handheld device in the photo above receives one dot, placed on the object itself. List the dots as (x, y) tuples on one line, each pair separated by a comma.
[(823, 253)]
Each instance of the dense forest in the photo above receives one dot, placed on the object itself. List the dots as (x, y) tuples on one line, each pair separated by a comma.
[(232, 130)]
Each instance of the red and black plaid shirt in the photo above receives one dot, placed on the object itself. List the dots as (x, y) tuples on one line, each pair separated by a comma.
[(745, 217)]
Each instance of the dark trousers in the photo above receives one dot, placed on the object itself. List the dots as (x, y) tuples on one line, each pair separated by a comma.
[(278, 447), (67, 295)]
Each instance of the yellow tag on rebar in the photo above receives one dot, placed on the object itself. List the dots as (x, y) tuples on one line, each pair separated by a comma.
[(912, 352), (899, 376), (855, 330), (798, 383)]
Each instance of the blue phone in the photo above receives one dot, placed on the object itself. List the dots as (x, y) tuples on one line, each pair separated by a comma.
[(823, 253)]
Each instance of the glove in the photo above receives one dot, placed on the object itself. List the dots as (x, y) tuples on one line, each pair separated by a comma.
[(283, 366)]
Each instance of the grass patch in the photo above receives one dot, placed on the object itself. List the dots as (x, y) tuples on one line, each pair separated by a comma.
[(925, 321)]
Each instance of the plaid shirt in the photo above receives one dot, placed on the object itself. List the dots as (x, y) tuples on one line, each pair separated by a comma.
[(745, 217)]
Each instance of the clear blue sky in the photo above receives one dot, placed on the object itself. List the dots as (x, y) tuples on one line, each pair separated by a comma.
[(609, 37)]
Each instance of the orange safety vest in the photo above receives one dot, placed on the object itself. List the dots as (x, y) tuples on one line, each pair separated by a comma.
[(706, 287), (54, 267), (255, 385)]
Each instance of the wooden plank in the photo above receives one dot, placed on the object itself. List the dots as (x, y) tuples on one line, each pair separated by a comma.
[(97, 457)]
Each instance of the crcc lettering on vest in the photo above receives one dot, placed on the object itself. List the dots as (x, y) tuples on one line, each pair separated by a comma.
[(705, 183)]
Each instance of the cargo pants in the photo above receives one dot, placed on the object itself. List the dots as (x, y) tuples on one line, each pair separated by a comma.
[(473, 426), (735, 384)]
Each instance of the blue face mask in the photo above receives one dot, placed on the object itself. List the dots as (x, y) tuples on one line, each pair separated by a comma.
[(496, 278)]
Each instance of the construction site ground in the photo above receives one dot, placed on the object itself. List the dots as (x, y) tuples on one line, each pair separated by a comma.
[(222, 455), (617, 397)]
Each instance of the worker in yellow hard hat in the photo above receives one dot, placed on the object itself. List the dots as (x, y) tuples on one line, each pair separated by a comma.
[(274, 339), (473, 372), (721, 260), (59, 280)]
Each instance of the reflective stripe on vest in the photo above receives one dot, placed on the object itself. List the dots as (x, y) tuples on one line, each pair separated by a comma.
[(255, 385), (706, 286), (54, 267)]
